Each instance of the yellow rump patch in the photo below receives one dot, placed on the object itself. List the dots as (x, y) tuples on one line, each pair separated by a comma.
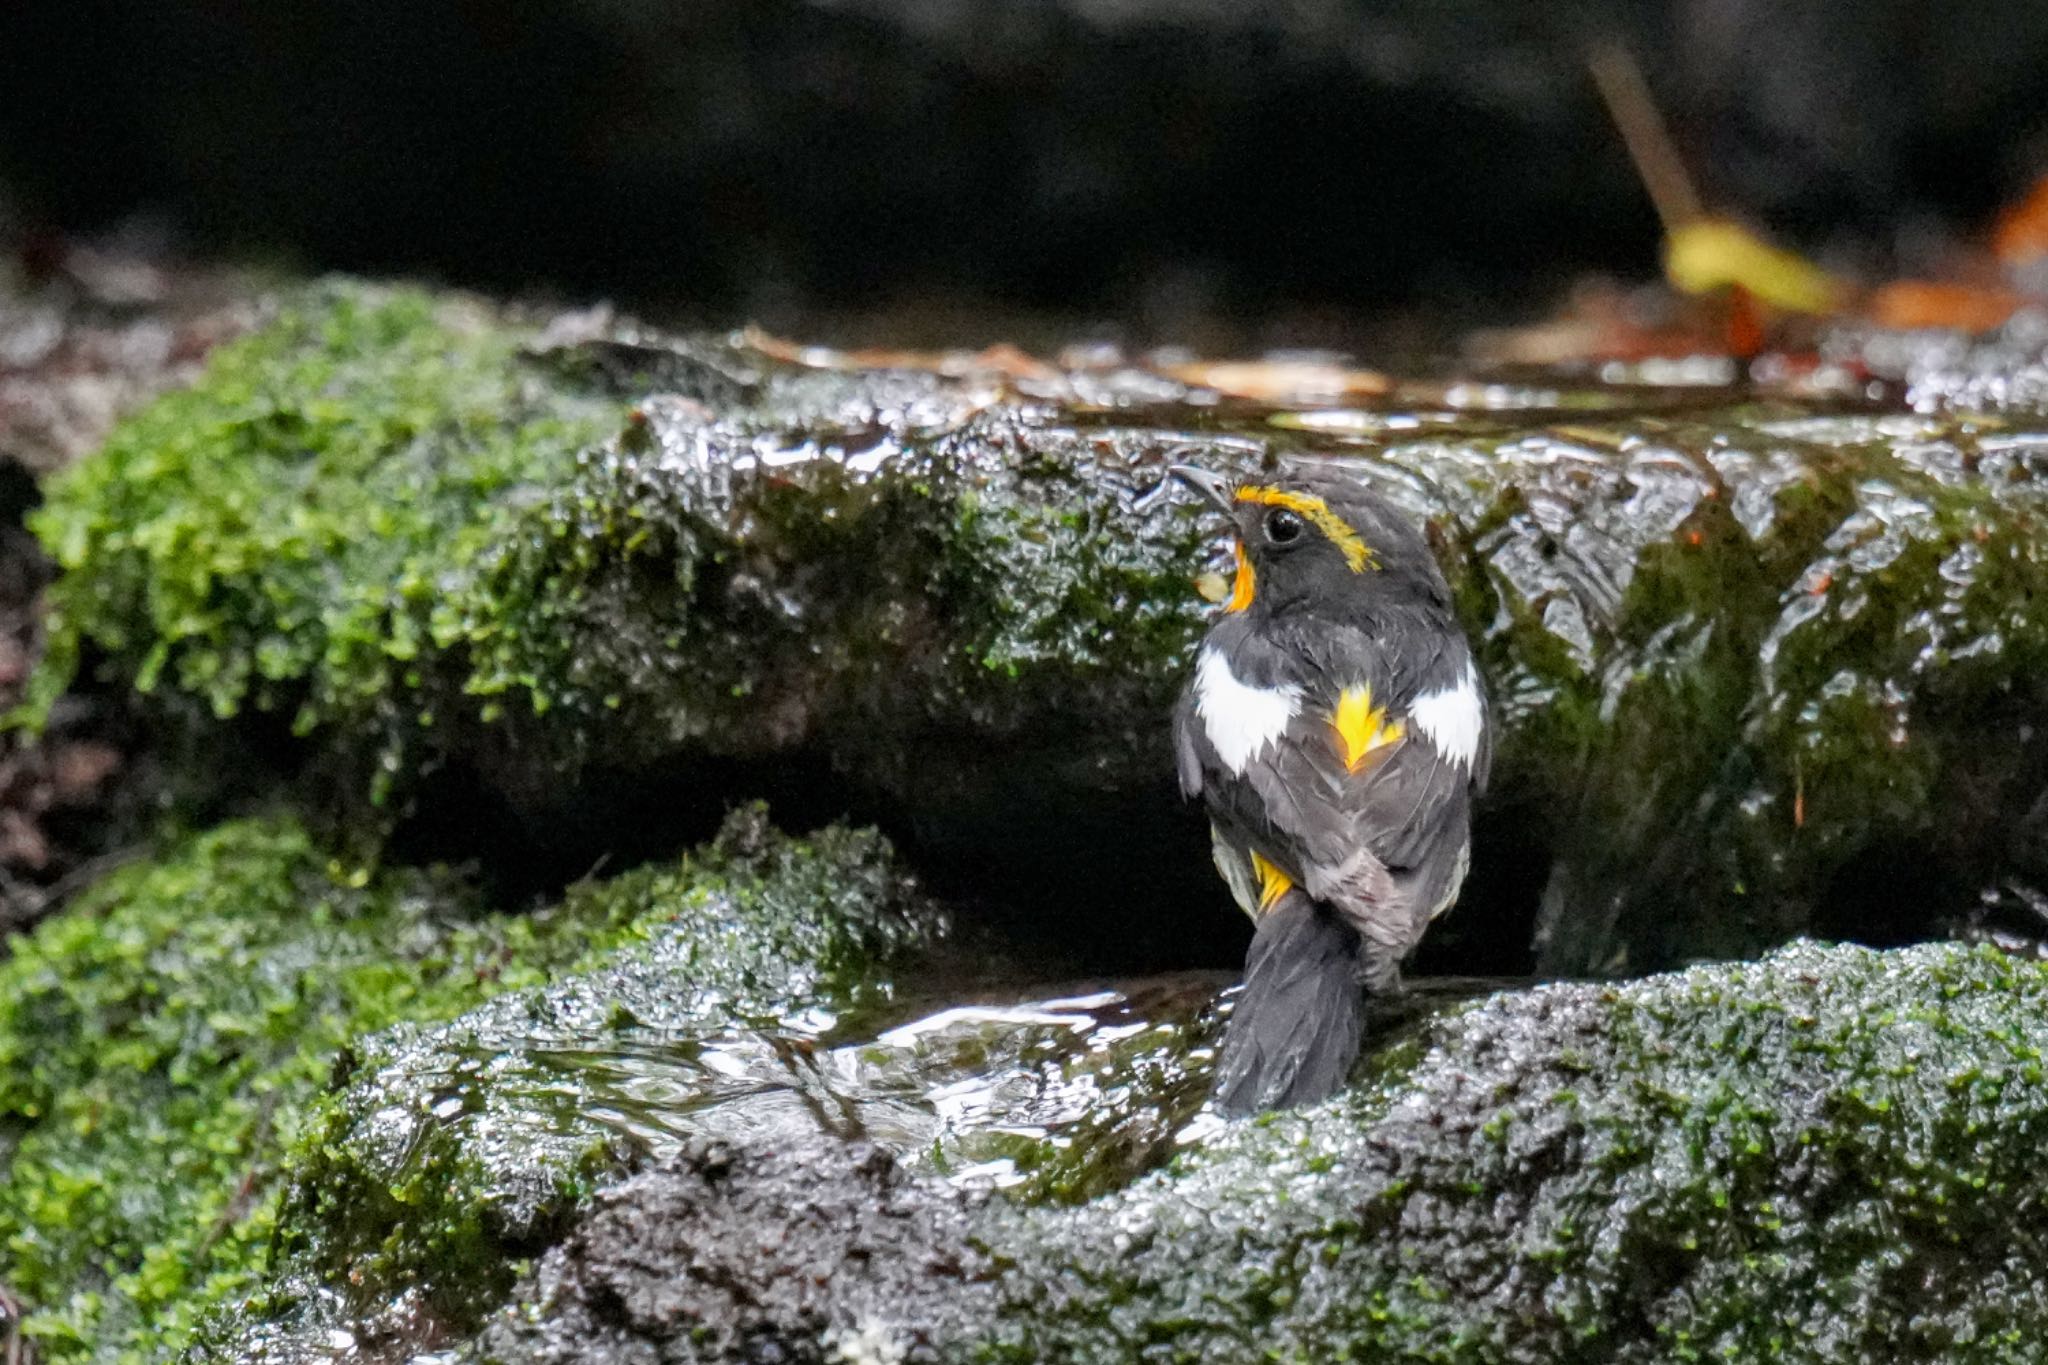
[(1362, 729), (1242, 587), (1273, 883), (1335, 529)]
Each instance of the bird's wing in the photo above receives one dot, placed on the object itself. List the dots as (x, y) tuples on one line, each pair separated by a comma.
[(1188, 746)]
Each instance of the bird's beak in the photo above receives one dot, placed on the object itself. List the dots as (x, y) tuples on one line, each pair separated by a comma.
[(1213, 487)]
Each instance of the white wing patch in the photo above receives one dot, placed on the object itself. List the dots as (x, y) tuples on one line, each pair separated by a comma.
[(1453, 718), (1241, 721)]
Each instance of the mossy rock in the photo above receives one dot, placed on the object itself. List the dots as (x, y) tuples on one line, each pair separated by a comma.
[(1829, 1154), (166, 1043), (159, 1044), (1775, 661), (456, 1148), (402, 516)]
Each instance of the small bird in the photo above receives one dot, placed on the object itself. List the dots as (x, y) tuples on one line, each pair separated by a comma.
[(1336, 728)]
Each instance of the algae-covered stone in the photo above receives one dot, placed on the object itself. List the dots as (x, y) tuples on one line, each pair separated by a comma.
[(385, 513), (160, 1040), (1831, 1154), (1758, 658), (165, 1043), (457, 1148)]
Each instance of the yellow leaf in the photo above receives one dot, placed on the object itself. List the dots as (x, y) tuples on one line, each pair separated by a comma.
[(1707, 254)]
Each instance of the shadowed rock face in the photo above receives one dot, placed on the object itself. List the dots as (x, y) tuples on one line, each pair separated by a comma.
[(552, 593)]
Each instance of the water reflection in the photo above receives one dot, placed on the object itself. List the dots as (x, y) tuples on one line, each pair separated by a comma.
[(1067, 1093)]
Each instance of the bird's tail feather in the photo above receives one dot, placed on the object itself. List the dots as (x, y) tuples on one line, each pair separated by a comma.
[(1295, 1030)]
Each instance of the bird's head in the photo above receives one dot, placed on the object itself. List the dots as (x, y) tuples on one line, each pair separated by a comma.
[(1315, 538)]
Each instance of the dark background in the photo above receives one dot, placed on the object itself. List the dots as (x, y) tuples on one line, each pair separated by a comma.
[(1196, 170)]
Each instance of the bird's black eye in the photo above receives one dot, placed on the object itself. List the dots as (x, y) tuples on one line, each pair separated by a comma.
[(1283, 526)]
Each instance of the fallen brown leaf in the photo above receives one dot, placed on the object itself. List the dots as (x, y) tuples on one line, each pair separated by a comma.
[(1907, 304), (2021, 233), (1280, 381)]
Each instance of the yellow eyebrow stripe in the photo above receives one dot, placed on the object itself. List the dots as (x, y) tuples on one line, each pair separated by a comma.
[(1335, 529), (1362, 728)]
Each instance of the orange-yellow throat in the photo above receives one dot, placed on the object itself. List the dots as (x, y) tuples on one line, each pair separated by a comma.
[(1242, 587)]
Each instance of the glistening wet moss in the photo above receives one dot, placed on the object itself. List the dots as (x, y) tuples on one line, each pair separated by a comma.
[(457, 1148), (304, 531), (165, 1042), (159, 1043), (407, 524), (1830, 1154)]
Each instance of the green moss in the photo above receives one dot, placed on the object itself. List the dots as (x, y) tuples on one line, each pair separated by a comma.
[(306, 530), (164, 1046), (458, 1148), (159, 1043), (385, 519), (1830, 1154)]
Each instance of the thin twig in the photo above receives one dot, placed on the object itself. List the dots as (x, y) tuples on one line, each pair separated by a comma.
[(38, 902), (1650, 147), (238, 1204), (14, 1347)]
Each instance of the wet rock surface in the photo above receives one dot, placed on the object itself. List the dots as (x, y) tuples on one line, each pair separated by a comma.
[(1755, 649), (1814, 1157), (1822, 1155), (809, 1255), (752, 1023), (448, 1151)]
